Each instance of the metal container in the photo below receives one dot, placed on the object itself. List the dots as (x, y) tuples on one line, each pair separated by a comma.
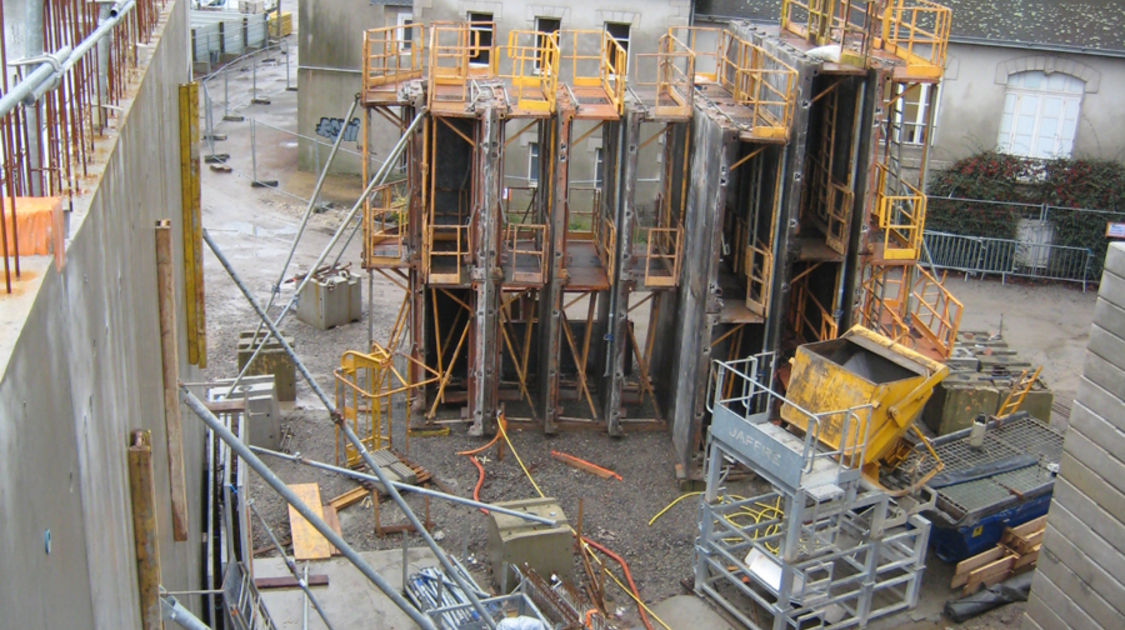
[(330, 299), (861, 367)]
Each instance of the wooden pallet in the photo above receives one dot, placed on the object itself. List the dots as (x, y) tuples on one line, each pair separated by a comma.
[(1017, 550)]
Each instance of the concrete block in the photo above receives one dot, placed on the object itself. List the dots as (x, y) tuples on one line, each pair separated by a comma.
[(1107, 344), (1065, 564), (263, 417), (514, 541), (271, 360), (329, 301), (1085, 595), (1096, 519), (1061, 522), (1103, 403), (1053, 598), (959, 399), (1095, 472), (1115, 258), (1110, 316), (1103, 373)]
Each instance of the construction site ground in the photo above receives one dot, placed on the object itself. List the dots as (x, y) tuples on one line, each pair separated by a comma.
[(254, 226)]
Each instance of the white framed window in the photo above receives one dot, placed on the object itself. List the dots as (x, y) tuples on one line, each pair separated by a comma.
[(619, 31), (1040, 117), (481, 25), (912, 111), (599, 166), (533, 163), (545, 26), (405, 34)]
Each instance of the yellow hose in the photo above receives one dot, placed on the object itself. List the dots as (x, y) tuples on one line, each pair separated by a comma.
[(671, 505)]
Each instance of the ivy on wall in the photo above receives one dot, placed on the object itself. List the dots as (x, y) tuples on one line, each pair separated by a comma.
[(1078, 198)]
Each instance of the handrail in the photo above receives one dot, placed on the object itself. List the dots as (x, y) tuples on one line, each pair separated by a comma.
[(536, 234), (390, 56), (665, 78), (530, 61), (705, 59), (384, 221), (759, 80), (917, 31), (605, 68), (902, 216), (663, 244)]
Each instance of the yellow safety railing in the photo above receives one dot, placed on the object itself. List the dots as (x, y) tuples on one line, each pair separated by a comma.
[(917, 31), (662, 256), (878, 306), (758, 263), (817, 326), (760, 81), (664, 79), (530, 63), (901, 209), (457, 55), (824, 22), (526, 245), (391, 55), (840, 201), (384, 226), (704, 43), (362, 383), (445, 247), (606, 245), (519, 203), (604, 68), (935, 312)]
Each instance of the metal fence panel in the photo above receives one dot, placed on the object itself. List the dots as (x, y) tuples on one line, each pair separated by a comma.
[(1008, 257)]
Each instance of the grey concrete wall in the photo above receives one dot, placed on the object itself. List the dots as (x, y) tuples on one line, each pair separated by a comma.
[(1080, 580), (84, 371), (972, 100), (330, 50)]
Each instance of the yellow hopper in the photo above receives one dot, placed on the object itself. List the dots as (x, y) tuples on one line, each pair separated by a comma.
[(860, 368)]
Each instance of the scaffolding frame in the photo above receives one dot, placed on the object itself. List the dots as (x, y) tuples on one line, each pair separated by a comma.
[(818, 548)]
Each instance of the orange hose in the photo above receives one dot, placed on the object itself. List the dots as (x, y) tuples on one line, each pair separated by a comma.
[(480, 482), (628, 578), (481, 449)]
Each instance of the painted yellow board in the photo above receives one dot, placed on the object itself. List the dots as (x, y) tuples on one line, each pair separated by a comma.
[(308, 544)]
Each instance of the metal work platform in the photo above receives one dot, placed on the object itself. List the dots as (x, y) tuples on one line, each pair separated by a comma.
[(819, 549)]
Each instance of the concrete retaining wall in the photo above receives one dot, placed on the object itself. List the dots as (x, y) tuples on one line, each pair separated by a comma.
[(85, 369), (1080, 582)]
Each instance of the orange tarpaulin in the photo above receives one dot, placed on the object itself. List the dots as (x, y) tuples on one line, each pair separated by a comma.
[(40, 223)]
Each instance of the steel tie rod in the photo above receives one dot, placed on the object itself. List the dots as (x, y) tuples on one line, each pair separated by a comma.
[(338, 420), (291, 498), (355, 474)]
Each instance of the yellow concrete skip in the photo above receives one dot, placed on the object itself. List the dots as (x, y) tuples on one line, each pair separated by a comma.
[(308, 544)]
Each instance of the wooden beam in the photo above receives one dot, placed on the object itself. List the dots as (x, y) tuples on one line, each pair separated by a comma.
[(170, 371), (142, 492), (308, 544), (192, 226)]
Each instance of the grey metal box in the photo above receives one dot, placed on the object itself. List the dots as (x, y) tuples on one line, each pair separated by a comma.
[(330, 300)]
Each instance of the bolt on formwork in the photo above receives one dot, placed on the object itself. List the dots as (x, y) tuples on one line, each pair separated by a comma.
[(782, 211)]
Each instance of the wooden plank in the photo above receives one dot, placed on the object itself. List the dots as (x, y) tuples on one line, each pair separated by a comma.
[(1030, 527), (991, 573), (169, 370), (288, 581), (966, 566), (308, 544), (581, 464), (351, 497), (333, 520), (1028, 559)]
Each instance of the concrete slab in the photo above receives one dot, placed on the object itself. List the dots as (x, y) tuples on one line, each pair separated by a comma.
[(349, 600), (689, 612)]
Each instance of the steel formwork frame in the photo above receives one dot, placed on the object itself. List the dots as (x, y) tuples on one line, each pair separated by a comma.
[(595, 309)]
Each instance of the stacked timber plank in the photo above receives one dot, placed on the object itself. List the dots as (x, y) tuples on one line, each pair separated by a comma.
[(1017, 550)]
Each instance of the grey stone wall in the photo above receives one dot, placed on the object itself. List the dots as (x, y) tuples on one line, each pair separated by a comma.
[(1080, 580)]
